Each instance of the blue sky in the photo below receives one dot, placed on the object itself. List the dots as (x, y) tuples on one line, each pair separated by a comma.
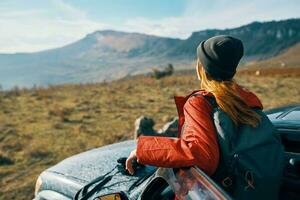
[(33, 25)]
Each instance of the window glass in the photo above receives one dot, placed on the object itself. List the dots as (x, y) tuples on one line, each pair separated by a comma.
[(191, 184), (294, 115), (274, 115)]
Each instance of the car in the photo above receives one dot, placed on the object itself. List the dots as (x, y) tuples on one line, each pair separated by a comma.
[(287, 121), (99, 173)]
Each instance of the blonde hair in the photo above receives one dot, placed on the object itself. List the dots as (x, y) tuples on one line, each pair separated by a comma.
[(228, 99)]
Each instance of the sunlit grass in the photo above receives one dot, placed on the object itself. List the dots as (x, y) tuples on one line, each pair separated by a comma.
[(40, 127)]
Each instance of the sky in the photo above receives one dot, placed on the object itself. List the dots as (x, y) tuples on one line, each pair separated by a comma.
[(35, 25)]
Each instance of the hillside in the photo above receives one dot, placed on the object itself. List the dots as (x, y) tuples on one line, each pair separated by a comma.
[(40, 127), (261, 39), (290, 58), (102, 55), (109, 55)]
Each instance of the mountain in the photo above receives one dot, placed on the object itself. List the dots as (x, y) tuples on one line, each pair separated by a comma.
[(102, 55), (261, 39), (108, 55)]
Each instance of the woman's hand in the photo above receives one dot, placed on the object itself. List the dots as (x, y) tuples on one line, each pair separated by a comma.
[(129, 160)]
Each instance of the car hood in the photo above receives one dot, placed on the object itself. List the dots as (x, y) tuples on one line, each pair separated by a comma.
[(71, 174), (95, 162)]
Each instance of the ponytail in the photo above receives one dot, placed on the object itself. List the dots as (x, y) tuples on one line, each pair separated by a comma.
[(228, 99)]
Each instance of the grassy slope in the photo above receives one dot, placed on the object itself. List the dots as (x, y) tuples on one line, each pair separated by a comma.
[(40, 127), (287, 59)]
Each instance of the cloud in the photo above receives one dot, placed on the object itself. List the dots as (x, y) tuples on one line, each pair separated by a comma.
[(194, 18), (69, 11), (35, 30), (211, 14), (60, 23)]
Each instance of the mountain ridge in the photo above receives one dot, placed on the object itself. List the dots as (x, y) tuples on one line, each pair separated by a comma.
[(110, 54)]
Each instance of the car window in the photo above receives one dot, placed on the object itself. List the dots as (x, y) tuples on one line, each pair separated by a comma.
[(290, 139), (274, 115), (277, 112), (192, 185), (186, 184), (158, 188), (293, 115), (280, 110)]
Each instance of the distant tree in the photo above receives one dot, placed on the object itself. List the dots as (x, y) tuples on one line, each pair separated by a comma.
[(169, 69), (15, 91)]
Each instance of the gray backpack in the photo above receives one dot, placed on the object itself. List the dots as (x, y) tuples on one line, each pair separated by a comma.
[(251, 159)]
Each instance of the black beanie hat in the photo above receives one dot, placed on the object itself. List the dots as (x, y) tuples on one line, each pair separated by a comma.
[(220, 56)]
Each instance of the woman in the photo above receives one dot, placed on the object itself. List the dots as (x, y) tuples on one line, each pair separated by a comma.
[(197, 142)]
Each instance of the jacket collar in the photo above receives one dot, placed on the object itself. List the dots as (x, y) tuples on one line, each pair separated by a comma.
[(180, 101)]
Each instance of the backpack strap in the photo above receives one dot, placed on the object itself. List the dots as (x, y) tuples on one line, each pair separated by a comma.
[(99, 182), (211, 99), (224, 174)]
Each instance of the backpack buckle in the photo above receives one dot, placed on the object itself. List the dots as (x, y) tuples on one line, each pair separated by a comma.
[(227, 182)]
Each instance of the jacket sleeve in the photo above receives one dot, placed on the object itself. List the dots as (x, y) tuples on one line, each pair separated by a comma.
[(197, 146)]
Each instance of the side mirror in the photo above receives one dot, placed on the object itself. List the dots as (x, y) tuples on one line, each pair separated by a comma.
[(114, 196)]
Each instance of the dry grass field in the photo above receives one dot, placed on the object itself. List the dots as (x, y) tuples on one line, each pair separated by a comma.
[(40, 127)]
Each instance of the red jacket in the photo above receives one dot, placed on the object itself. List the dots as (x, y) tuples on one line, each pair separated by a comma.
[(198, 146)]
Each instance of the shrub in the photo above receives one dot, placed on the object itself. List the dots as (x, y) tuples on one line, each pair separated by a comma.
[(60, 112), (168, 71), (39, 154), (5, 160)]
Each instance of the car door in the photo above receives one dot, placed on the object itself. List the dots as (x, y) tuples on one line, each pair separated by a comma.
[(288, 126), (183, 183), (291, 181)]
